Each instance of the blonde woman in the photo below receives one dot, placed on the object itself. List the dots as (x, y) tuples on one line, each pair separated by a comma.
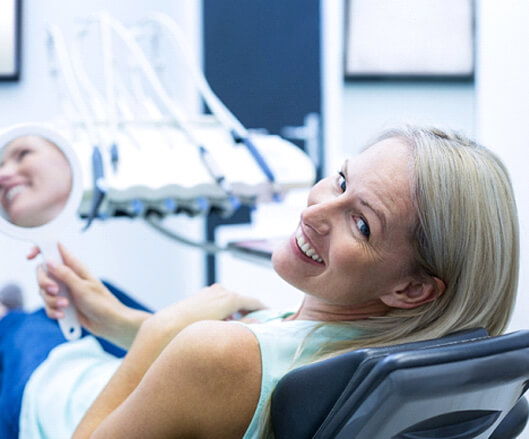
[(415, 237)]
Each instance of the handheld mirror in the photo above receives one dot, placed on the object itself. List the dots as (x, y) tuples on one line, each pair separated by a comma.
[(40, 191)]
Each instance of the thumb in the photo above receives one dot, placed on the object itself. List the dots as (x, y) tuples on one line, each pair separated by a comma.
[(33, 253), (249, 303), (73, 263)]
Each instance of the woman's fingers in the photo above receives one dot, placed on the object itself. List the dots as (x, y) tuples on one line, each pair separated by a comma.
[(224, 303), (34, 252), (49, 284), (54, 306), (249, 304), (68, 258), (46, 283), (49, 289)]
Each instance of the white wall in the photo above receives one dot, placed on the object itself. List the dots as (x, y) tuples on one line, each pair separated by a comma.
[(127, 252), (372, 106), (502, 92)]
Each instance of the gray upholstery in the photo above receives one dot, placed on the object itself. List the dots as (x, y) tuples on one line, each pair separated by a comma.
[(458, 386)]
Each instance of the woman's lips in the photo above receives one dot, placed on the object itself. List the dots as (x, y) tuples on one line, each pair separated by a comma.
[(9, 193), (13, 191), (303, 248)]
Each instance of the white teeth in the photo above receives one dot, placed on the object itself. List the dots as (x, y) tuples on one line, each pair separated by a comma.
[(11, 193), (305, 247)]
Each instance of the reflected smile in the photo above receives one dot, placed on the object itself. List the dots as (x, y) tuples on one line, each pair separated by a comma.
[(305, 247), (14, 191)]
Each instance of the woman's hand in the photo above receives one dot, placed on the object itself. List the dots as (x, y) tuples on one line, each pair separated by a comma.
[(217, 303), (97, 308), (210, 303)]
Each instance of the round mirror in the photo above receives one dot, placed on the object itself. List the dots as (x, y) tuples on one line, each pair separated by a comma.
[(40, 191), (40, 181), (35, 181)]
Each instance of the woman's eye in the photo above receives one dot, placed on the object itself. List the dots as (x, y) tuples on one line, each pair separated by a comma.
[(341, 181), (363, 227), (22, 154)]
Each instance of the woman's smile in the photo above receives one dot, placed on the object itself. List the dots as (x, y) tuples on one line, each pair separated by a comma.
[(342, 252), (303, 247), (12, 191)]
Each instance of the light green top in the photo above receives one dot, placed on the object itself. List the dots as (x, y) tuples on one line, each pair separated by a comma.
[(279, 341), (62, 388)]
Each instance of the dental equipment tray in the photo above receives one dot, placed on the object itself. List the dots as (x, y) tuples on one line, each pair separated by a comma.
[(159, 170)]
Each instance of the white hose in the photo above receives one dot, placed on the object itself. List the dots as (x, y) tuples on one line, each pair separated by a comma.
[(214, 103)]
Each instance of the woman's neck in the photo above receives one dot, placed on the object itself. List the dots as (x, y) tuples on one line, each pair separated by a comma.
[(315, 309)]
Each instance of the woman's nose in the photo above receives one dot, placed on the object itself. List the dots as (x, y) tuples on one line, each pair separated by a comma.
[(320, 212), (6, 173)]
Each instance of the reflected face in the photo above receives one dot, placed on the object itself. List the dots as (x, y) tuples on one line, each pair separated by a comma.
[(353, 245), (35, 181)]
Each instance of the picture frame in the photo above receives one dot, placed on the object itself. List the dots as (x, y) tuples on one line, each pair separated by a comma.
[(409, 39), (10, 39)]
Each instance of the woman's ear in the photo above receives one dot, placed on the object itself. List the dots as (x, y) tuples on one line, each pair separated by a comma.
[(415, 293)]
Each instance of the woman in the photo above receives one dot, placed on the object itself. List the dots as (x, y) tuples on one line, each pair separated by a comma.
[(415, 237), (35, 181)]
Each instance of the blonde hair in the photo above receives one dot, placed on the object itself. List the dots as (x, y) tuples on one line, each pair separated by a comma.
[(465, 233)]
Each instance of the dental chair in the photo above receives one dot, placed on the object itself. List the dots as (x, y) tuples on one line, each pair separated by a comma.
[(462, 386)]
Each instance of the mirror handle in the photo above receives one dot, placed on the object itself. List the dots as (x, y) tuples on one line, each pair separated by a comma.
[(69, 324)]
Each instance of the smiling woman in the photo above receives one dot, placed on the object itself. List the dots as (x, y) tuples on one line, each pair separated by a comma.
[(35, 181), (345, 220), (414, 238)]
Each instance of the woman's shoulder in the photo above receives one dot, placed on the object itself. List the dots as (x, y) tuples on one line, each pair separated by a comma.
[(221, 360), (219, 339), (217, 345)]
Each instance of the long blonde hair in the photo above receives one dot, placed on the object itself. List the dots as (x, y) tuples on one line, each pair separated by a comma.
[(465, 233)]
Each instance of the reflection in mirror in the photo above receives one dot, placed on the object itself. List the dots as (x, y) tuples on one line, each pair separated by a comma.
[(40, 190), (35, 181)]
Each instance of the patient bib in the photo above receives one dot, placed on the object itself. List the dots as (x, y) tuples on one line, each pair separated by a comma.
[(61, 389)]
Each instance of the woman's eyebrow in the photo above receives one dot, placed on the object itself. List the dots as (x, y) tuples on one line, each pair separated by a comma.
[(378, 213)]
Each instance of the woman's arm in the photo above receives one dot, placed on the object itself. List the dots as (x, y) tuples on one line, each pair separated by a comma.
[(104, 315), (205, 383), (153, 335)]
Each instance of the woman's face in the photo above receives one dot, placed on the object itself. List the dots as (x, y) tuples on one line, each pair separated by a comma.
[(35, 181), (352, 244)]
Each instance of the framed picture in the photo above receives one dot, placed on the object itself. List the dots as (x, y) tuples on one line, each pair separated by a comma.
[(10, 22), (409, 39)]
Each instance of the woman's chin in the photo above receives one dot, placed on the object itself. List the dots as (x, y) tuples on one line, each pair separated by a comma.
[(280, 258), (22, 218), (284, 263)]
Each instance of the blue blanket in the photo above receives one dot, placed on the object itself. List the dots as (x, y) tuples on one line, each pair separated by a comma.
[(26, 339)]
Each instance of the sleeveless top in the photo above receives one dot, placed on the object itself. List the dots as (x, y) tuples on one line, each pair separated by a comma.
[(62, 388), (285, 345)]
